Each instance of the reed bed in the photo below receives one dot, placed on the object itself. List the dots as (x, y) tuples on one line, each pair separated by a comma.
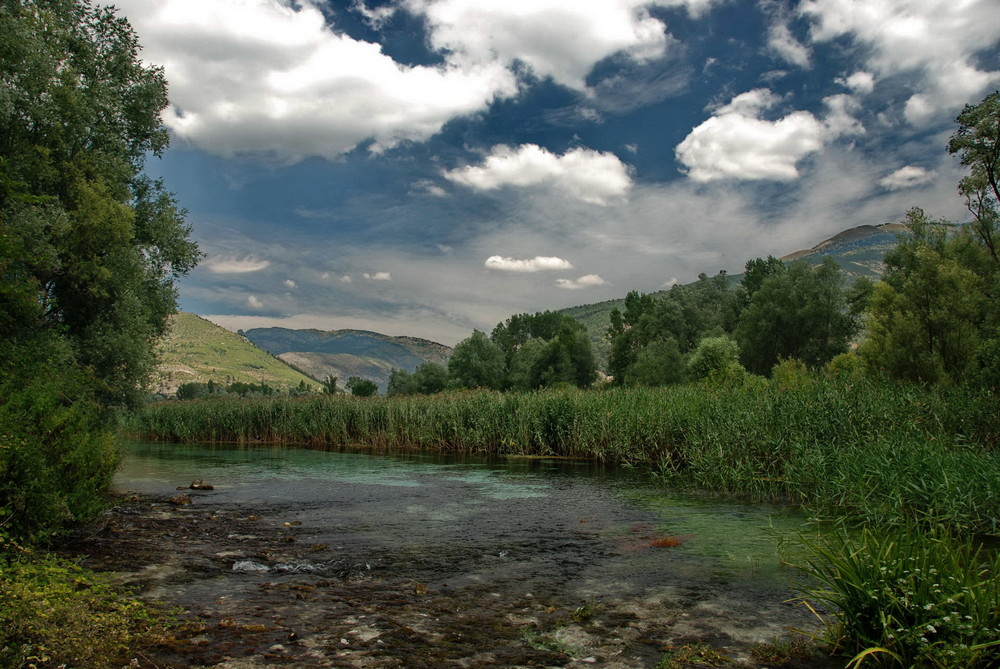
[(882, 454)]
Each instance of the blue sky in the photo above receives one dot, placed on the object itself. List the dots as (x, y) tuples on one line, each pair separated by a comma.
[(426, 167)]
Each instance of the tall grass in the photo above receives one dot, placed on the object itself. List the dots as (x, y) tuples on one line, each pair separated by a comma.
[(882, 454)]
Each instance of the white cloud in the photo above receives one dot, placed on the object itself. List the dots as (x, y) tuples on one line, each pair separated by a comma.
[(781, 41), (860, 82), (587, 281), (253, 302), (289, 283), (557, 39), (271, 77), (583, 174), (736, 143), (937, 40), (536, 264), (906, 177), (233, 265), (378, 276), (346, 279)]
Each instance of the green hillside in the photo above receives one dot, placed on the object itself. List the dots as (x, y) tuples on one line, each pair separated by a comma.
[(196, 350), (347, 353), (858, 251)]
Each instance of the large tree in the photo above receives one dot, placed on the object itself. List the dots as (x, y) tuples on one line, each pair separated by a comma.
[(89, 245), (90, 248)]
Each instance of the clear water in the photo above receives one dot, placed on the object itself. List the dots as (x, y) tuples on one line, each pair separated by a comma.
[(554, 523)]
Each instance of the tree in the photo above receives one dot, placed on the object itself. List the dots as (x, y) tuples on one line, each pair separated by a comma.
[(361, 387), (476, 363), (428, 378), (330, 385), (714, 355), (925, 316), (657, 364), (977, 142), (801, 312), (90, 249), (94, 241)]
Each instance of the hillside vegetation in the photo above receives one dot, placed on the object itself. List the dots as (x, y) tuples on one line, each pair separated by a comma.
[(196, 351), (858, 251), (346, 353)]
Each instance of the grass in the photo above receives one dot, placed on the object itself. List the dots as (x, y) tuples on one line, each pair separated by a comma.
[(879, 454), (909, 597)]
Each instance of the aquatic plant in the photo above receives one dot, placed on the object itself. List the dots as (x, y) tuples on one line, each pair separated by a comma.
[(907, 597)]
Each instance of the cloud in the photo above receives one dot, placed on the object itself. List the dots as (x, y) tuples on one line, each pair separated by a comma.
[(936, 41), (273, 78), (860, 82), (906, 177), (587, 281), (233, 265), (378, 276), (583, 174), (536, 264), (554, 38), (781, 41), (736, 143), (289, 283), (253, 302)]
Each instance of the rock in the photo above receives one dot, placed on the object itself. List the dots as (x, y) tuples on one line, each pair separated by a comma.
[(199, 484), (180, 500), (249, 566)]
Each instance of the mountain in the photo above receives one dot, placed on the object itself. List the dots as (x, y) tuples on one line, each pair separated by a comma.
[(346, 353), (858, 251), (196, 350)]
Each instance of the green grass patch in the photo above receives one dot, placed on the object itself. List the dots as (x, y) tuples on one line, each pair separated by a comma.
[(54, 613)]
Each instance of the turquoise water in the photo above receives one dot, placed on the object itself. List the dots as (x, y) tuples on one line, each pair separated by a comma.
[(554, 519)]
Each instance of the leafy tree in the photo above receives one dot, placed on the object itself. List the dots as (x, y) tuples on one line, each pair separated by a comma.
[(330, 385), (925, 316), (86, 235), (428, 378), (659, 363), (361, 387), (800, 312), (714, 356), (401, 382), (684, 314), (90, 248), (476, 363), (977, 142)]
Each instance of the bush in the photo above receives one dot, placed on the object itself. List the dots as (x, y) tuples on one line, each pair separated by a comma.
[(57, 453)]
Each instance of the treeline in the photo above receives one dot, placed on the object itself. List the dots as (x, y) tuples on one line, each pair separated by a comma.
[(525, 352)]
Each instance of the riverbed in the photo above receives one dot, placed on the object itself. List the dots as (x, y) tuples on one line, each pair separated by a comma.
[(305, 558)]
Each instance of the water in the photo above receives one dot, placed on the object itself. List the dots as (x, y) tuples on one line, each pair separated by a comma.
[(594, 518), (426, 560)]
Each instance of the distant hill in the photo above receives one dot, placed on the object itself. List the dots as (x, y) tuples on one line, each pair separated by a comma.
[(346, 353), (859, 252), (196, 350)]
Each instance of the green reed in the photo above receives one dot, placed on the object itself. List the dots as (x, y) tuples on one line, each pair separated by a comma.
[(878, 453)]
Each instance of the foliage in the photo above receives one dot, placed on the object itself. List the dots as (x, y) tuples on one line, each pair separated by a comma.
[(89, 252), (685, 314), (91, 246), (924, 317), (977, 142), (477, 362), (659, 363), (428, 378), (791, 373), (362, 387), (713, 355), (878, 453), (53, 613), (800, 312), (908, 597), (57, 455), (544, 349), (330, 385)]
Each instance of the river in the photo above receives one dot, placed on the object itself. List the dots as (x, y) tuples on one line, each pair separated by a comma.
[(301, 557)]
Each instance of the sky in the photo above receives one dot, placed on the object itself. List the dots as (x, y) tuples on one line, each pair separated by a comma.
[(430, 167)]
